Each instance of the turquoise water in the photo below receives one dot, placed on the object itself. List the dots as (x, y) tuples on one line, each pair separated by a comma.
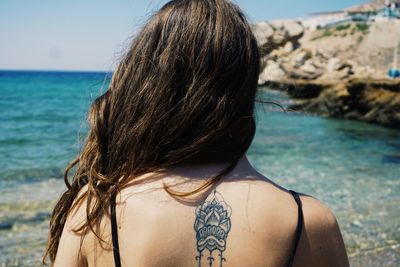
[(353, 167)]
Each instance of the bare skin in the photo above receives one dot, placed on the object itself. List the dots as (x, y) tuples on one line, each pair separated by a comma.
[(155, 229)]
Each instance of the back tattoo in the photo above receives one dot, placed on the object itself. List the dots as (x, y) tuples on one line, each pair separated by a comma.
[(212, 225)]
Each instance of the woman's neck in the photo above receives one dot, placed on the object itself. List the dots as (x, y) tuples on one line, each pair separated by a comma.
[(201, 171)]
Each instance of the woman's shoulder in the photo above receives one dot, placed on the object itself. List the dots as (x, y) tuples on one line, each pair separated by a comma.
[(321, 242), (316, 212), (70, 250)]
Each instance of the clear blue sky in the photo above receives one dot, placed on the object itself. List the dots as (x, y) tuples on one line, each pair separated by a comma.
[(90, 34)]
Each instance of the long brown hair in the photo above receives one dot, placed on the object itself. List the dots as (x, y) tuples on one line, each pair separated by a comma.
[(183, 93)]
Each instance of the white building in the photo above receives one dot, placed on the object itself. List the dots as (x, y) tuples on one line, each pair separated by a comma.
[(378, 10), (324, 19)]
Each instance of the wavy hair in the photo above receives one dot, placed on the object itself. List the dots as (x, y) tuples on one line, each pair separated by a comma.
[(183, 93)]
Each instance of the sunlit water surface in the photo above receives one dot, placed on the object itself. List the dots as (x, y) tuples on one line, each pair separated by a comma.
[(353, 167)]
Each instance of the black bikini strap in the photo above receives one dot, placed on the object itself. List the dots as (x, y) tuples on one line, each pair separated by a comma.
[(114, 232), (300, 221)]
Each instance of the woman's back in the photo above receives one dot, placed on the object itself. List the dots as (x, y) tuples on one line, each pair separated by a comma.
[(183, 95), (255, 225)]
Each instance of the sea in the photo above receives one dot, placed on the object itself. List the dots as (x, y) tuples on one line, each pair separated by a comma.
[(353, 167)]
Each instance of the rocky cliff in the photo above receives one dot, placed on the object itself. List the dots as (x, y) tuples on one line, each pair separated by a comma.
[(326, 79)]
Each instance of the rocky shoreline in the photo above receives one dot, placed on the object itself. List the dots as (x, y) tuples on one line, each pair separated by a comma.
[(321, 83), (374, 101)]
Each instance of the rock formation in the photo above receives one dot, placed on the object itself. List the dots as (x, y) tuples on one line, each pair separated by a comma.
[(322, 83), (366, 100), (274, 34)]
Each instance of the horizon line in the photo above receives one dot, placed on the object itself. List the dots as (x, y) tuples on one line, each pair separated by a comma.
[(55, 70)]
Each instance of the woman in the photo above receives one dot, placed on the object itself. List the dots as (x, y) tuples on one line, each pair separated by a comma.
[(163, 180)]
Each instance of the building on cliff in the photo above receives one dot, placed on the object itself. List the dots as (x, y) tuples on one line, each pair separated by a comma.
[(375, 11), (378, 10), (325, 19)]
